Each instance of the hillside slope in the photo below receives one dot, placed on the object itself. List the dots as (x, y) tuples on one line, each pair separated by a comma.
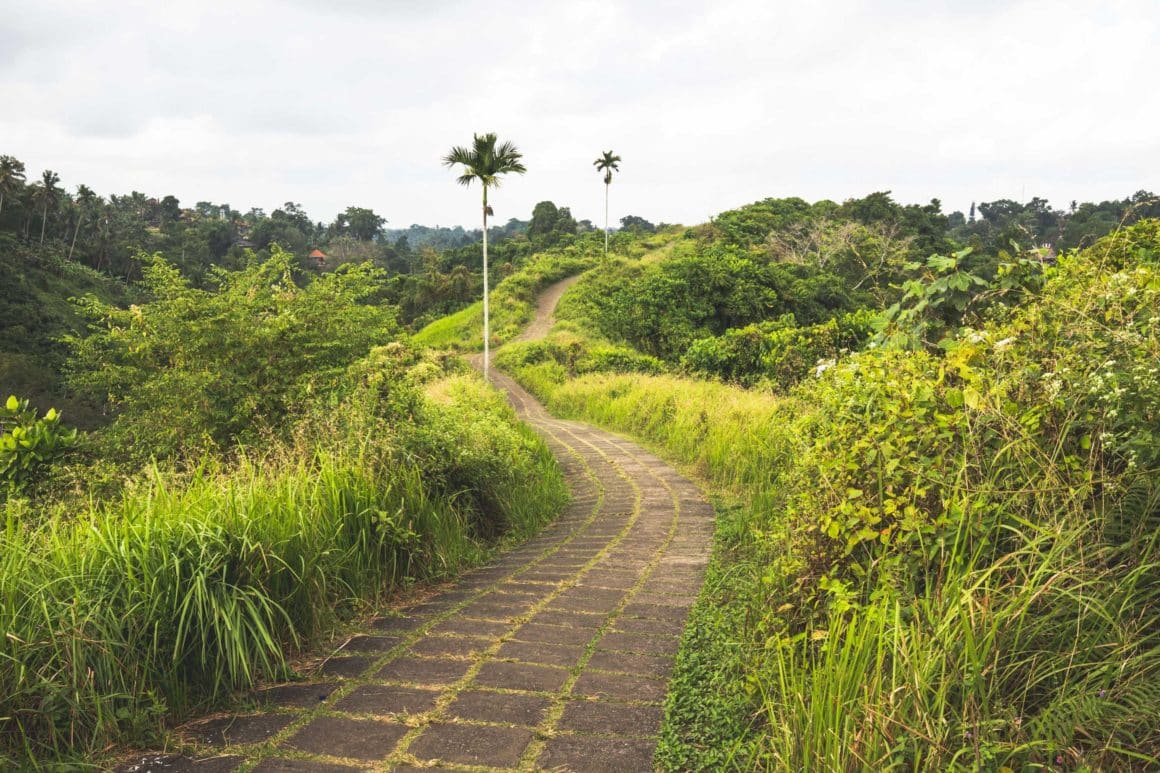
[(943, 550)]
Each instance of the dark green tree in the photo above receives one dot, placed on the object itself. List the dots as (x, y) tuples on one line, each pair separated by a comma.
[(362, 223), (11, 177)]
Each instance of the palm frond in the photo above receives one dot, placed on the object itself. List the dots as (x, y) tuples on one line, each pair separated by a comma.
[(608, 162), (484, 161)]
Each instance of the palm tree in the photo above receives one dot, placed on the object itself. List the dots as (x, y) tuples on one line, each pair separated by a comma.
[(47, 194), (85, 200), (608, 163), (11, 177), (485, 161)]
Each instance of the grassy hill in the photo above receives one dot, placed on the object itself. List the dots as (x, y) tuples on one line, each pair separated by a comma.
[(939, 539)]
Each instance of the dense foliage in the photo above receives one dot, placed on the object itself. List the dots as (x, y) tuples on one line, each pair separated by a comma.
[(277, 462), (945, 552), (29, 444), (194, 369)]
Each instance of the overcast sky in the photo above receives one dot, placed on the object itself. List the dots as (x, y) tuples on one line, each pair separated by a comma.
[(710, 104)]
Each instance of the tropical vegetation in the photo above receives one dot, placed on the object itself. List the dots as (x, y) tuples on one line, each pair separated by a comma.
[(939, 489), (932, 440)]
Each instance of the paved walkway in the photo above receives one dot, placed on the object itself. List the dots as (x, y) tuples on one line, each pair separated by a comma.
[(557, 655)]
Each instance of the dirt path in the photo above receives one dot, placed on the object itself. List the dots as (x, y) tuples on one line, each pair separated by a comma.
[(545, 307), (557, 655)]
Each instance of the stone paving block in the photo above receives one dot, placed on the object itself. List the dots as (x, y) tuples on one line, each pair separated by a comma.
[(347, 668), (398, 625), (629, 663), (371, 643), (621, 687), (611, 718), (521, 676), (545, 576), (566, 655), (384, 699), (434, 671), (284, 765), (178, 763), (553, 634), (655, 612), (499, 747), (482, 629), (486, 706), (451, 646), (360, 739), (514, 589), (234, 730), (646, 627), (609, 596), (583, 604), (581, 754), (493, 573), (643, 645), (667, 597), (569, 619), (295, 695), (608, 578), (494, 608)]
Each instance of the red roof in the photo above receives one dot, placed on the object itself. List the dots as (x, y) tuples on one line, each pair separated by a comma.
[(318, 254)]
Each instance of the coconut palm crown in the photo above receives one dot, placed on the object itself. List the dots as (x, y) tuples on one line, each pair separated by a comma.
[(607, 163), (485, 161)]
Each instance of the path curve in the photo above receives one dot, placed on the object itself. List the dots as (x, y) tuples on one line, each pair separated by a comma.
[(557, 655)]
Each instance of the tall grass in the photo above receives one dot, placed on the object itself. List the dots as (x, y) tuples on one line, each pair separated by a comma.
[(191, 587)]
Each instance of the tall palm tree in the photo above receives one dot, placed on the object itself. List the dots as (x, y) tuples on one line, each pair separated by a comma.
[(47, 194), (607, 163), (85, 200), (485, 161), (11, 177)]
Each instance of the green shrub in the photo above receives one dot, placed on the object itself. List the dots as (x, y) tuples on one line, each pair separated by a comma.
[(777, 352), (29, 445), (192, 370), (663, 307)]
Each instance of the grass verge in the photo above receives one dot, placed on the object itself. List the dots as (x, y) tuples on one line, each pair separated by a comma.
[(124, 614)]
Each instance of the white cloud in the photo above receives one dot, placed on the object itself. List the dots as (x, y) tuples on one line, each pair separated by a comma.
[(711, 104)]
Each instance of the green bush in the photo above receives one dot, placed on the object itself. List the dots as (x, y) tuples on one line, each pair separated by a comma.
[(777, 352), (29, 444), (192, 370), (663, 307)]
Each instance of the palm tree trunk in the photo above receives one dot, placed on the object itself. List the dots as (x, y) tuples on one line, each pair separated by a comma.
[(606, 220), (486, 320), (72, 246), (43, 223)]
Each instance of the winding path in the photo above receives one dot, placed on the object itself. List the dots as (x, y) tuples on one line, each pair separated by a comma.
[(557, 655)]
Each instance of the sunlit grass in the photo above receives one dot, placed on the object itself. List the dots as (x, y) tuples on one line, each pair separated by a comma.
[(193, 586)]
